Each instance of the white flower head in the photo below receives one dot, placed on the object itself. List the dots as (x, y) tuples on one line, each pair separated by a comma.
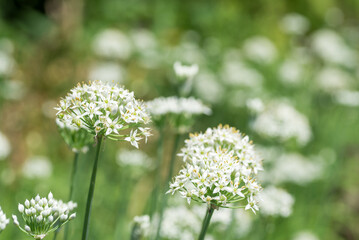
[(42, 216), (275, 202), (294, 23), (112, 43), (5, 147), (3, 220), (180, 111), (184, 71), (260, 49), (142, 226), (105, 109), (136, 160), (37, 167), (221, 168)]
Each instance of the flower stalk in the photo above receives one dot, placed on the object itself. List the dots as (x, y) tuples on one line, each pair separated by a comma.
[(85, 230), (206, 221)]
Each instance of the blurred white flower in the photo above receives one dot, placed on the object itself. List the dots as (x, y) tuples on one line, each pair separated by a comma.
[(112, 43), (3, 220), (13, 90), (236, 73), (255, 105), (275, 202), (294, 23), (188, 52), (294, 168), (347, 98), (5, 147), (291, 71), (260, 49), (185, 71), (37, 167), (7, 64), (332, 79), (143, 40), (330, 46), (107, 72), (142, 226), (305, 235), (135, 158), (213, 92), (42, 216), (281, 120)]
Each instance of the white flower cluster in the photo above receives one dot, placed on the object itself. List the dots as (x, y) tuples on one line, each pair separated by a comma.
[(294, 23), (44, 215), (37, 167), (180, 111), (275, 202), (3, 220), (282, 121), (105, 110), (185, 72), (260, 49), (76, 138), (142, 226), (134, 158), (221, 168), (5, 147)]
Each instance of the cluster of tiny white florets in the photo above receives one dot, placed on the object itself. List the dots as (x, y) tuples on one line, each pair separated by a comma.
[(221, 168), (44, 215), (105, 110), (3, 220), (180, 111), (185, 72)]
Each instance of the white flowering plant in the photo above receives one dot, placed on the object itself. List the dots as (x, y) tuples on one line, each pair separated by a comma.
[(42, 216), (105, 109), (221, 169), (3, 220), (180, 112)]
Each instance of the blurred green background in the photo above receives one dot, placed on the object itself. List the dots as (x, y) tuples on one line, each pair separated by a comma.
[(47, 47)]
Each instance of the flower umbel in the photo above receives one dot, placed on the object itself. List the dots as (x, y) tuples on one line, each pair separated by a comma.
[(44, 215), (104, 110), (221, 168), (3, 220)]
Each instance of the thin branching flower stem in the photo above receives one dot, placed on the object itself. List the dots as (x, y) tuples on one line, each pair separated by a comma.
[(72, 184), (169, 176), (85, 230), (206, 221), (153, 203)]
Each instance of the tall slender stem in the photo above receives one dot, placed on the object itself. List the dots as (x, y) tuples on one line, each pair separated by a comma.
[(72, 184), (85, 230), (158, 172), (206, 222), (169, 176)]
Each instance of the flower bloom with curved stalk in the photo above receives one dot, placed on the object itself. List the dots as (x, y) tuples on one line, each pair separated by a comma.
[(105, 110), (221, 169), (3, 220), (181, 112), (44, 215)]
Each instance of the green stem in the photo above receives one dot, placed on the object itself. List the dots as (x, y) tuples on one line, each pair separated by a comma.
[(169, 176), (72, 183), (206, 221), (85, 230), (158, 172)]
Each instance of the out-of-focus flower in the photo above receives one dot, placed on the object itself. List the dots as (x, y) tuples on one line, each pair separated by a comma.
[(185, 71), (105, 110), (255, 105), (328, 45), (305, 235), (291, 71), (5, 147), (3, 220), (332, 79), (294, 23), (112, 43), (347, 98), (7, 64), (42, 216), (275, 202), (294, 168), (13, 90), (78, 139), (142, 227), (280, 120), (236, 73), (107, 72), (143, 40), (213, 92), (260, 49), (134, 158), (37, 167), (221, 168), (180, 112)]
